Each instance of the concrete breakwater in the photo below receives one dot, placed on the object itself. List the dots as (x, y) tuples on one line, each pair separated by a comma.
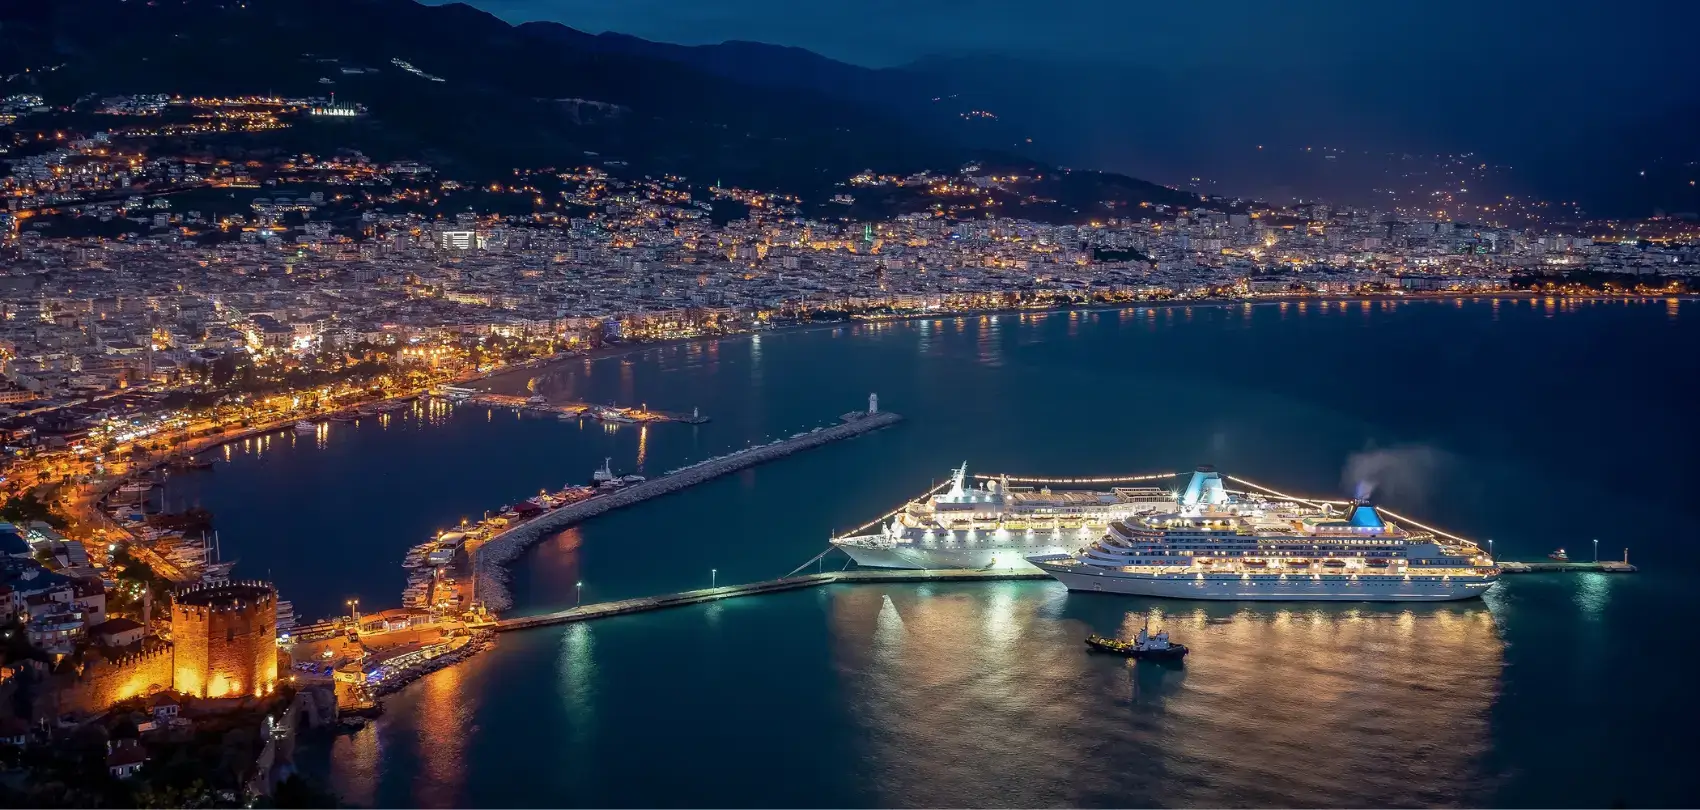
[(494, 554), (644, 604)]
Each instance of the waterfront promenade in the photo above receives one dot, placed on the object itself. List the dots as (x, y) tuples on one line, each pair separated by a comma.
[(492, 555)]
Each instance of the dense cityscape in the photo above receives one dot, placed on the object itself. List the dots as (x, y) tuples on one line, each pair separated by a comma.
[(163, 295)]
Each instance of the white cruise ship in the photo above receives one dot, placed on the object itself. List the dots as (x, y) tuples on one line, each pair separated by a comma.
[(1221, 545), (997, 526)]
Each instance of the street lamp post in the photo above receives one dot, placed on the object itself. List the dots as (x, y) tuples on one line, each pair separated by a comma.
[(713, 577), (1596, 549), (1490, 546), (579, 600)]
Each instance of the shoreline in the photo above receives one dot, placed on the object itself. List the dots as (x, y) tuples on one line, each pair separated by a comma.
[(508, 375), (495, 381)]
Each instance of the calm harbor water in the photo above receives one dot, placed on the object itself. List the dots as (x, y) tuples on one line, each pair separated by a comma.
[(1537, 423)]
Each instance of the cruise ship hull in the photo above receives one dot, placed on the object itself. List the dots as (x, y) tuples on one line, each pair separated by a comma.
[(916, 558), (1294, 588)]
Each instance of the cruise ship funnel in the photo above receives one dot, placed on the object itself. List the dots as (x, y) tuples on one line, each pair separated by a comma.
[(1204, 488)]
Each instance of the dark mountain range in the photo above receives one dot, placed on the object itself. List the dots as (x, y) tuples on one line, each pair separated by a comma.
[(1565, 133), (467, 91)]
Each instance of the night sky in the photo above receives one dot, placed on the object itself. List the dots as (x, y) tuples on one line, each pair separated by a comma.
[(1619, 38)]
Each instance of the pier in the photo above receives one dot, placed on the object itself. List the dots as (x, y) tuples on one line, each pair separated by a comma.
[(1553, 567), (504, 547), (614, 414), (645, 604)]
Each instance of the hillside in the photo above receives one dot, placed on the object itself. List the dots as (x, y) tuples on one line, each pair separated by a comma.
[(468, 92)]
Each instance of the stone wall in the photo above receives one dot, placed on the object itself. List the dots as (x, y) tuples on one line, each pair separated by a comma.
[(103, 683)]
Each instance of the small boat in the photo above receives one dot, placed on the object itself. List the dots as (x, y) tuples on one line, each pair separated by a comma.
[(1144, 645), (1377, 563), (1255, 563), (1334, 563), (1559, 555), (1298, 563), (306, 427)]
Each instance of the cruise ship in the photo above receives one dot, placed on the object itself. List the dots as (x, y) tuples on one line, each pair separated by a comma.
[(1222, 545), (997, 525)]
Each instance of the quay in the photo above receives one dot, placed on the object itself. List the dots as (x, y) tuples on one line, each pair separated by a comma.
[(1604, 567), (572, 410), (501, 548), (645, 604), (603, 610)]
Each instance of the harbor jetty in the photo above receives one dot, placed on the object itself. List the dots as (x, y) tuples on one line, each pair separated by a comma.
[(603, 610), (492, 555), (613, 414), (1552, 567)]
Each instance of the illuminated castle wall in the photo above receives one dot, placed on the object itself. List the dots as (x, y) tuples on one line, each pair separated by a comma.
[(224, 640), (102, 683)]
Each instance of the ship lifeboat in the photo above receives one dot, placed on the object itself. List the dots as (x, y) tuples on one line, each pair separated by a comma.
[(1298, 563), (1255, 563), (1334, 563), (1376, 563)]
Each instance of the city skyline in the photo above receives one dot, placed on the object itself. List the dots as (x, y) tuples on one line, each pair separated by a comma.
[(526, 363)]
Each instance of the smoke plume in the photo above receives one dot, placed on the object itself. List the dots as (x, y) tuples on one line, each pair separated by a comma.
[(1402, 473)]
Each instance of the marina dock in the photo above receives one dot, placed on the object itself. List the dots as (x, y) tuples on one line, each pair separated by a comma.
[(576, 410), (1552, 567), (645, 604), (505, 546)]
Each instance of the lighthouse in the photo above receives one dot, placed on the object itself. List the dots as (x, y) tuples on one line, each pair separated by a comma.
[(873, 404)]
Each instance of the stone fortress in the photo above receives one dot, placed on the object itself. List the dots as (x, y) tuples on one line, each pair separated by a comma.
[(223, 645)]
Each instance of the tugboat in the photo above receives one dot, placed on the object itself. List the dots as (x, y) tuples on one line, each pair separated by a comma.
[(1559, 555), (1155, 647)]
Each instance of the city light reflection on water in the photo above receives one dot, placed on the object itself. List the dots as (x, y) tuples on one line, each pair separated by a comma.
[(1266, 695), (948, 696)]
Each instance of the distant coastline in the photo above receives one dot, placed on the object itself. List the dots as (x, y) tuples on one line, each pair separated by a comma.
[(502, 381)]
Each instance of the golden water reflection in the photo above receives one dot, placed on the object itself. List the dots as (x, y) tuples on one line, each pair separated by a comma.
[(1289, 705)]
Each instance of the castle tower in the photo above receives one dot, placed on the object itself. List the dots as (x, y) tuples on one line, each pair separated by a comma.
[(225, 639)]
